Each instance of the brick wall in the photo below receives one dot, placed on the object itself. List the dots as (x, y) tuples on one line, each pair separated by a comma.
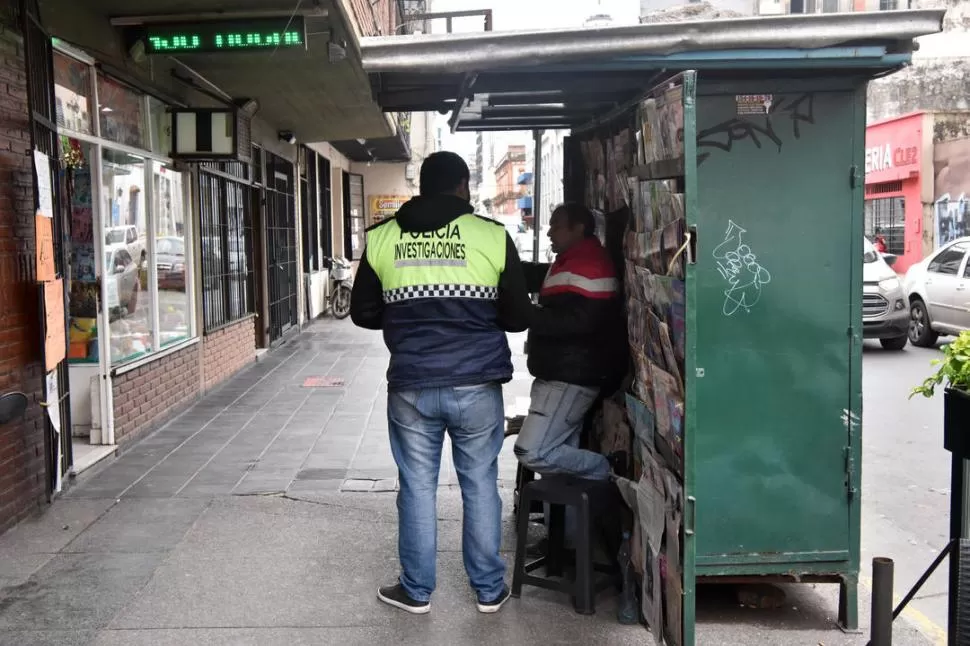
[(227, 351), (22, 462), (149, 395)]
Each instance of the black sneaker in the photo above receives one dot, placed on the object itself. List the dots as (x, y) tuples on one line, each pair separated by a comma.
[(494, 606), (394, 595)]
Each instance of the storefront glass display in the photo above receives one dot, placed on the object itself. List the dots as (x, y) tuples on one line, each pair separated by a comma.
[(122, 113), (171, 255), (130, 313), (83, 280), (161, 127), (72, 94)]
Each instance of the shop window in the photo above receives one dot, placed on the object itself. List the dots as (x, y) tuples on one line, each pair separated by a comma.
[(161, 127), (84, 291), (225, 210), (72, 94), (354, 227), (121, 112), (886, 217), (172, 255), (125, 270), (309, 198), (326, 208)]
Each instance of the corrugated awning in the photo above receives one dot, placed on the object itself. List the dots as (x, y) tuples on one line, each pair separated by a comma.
[(557, 79)]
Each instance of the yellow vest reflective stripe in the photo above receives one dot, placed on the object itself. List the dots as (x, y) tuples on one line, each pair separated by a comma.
[(463, 259)]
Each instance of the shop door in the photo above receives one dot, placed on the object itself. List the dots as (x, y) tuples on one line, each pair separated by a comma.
[(778, 292), (40, 81), (281, 246), (354, 228)]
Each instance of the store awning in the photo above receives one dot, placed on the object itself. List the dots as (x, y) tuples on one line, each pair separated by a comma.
[(320, 93), (556, 79), (524, 179)]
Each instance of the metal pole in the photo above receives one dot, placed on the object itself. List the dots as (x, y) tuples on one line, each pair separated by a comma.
[(958, 521), (536, 194), (881, 627)]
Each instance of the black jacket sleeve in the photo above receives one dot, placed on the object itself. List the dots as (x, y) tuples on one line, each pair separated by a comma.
[(367, 297), (535, 273), (571, 315), (514, 306)]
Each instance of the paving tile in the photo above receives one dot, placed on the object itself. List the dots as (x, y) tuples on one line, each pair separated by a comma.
[(51, 531), (76, 591), (139, 526), (47, 637)]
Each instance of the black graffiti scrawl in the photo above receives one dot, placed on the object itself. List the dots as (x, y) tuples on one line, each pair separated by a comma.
[(771, 128)]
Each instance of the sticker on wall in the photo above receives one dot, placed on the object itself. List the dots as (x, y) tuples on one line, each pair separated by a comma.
[(753, 104)]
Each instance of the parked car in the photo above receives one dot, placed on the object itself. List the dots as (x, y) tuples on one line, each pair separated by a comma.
[(126, 236), (939, 300), (122, 269), (885, 308), (170, 263)]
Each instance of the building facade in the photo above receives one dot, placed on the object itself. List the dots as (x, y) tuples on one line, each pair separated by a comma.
[(917, 183), (508, 169), (169, 221)]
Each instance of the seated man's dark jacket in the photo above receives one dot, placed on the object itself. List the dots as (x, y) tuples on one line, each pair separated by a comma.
[(577, 332), (443, 341)]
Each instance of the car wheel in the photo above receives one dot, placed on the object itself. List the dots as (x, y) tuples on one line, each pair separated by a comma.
[(921, 334), (897, 343)]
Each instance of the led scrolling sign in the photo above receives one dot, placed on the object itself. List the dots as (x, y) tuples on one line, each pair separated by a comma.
[(224, 36)]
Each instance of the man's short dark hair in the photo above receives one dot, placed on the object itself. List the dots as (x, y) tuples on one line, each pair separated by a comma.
[(577, 214), (443, 172)]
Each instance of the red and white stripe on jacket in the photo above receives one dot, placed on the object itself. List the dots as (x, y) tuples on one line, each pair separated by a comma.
[(584, 269)]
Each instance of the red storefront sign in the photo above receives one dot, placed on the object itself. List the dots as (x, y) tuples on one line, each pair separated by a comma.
[(894, 149)]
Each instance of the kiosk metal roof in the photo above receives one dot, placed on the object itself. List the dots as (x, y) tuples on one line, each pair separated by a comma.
[(564, 78)]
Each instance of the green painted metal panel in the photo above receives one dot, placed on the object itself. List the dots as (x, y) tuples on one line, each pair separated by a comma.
[(774, 300), (690, 529)]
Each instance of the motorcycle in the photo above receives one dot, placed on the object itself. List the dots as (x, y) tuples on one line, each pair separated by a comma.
[(341, 283)]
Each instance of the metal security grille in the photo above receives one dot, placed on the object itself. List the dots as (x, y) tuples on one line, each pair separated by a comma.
[(354, 228), (281, 245), (326, 208), (227, 243), (886, 216), (43, 115), (309, 196)]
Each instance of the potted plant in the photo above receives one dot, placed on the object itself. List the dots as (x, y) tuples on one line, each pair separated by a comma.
[(954, 373)]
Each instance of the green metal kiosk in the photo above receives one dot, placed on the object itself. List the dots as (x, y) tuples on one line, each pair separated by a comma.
[(767, 165)]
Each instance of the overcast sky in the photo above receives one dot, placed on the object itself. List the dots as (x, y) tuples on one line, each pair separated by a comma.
[(537, 14), (515, 15)]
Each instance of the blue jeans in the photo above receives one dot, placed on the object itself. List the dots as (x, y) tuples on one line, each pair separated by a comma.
[(474, 417), (548, 442)]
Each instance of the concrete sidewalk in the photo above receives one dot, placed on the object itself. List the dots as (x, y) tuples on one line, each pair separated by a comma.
[(265, 515)]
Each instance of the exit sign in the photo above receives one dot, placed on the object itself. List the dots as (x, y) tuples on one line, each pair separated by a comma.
[(224, 36)]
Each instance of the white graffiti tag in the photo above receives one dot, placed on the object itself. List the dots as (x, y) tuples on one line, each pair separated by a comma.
[(739, 266)]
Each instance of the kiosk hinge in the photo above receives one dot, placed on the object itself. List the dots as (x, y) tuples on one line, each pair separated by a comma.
[(854, 177)]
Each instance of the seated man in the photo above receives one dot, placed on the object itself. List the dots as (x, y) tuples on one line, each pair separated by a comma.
[(573, 347)]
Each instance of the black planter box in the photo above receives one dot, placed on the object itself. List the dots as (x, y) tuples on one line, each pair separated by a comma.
[(956, 422)]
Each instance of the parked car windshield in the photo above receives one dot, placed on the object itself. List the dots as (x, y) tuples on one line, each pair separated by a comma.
[(870, 255), (170, 247), (114, 236)]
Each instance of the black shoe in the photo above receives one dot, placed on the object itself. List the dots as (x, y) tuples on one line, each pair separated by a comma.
[(494, 606), (394, 595)]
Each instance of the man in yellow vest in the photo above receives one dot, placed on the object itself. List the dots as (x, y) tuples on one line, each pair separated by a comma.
[(444, 285)]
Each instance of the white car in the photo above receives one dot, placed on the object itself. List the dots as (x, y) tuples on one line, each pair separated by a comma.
[(939, 294)]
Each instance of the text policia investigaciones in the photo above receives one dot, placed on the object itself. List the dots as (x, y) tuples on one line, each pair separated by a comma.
[(443, 244)]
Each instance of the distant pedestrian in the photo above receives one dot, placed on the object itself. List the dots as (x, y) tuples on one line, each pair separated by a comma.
[(880, 243), (445, 286)]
